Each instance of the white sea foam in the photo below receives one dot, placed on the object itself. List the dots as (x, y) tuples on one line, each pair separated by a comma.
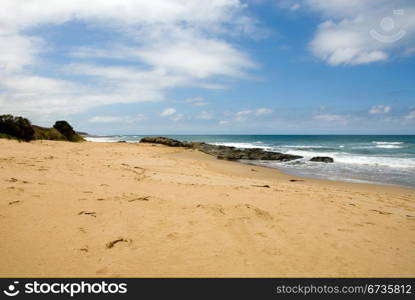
[(384, 146), (109, 139), (100, 139), (339, 157), (301, 146), (346, 158), (241, 145), (388, 145)]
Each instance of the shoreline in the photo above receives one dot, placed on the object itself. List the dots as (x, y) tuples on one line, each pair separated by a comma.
[(349, 165), (118, 210), (351, 181)]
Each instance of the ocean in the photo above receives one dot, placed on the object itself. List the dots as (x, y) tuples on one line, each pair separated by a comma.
[(382, 159)]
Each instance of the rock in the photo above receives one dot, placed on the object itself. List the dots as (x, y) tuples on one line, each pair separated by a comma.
[(223, 152), (232, 153), (163, 141), (324, 159)]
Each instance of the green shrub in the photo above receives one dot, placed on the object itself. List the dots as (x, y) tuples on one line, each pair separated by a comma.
[(42, 133), (67, 131), (17, 127)]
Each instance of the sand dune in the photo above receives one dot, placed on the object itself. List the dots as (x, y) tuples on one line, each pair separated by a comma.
[(108, 209)]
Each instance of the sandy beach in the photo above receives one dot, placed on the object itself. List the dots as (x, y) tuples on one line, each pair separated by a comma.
[(141, 210)]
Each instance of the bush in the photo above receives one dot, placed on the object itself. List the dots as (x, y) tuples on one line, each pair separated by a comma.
[(42, 133), (67, 131), (18, 127)]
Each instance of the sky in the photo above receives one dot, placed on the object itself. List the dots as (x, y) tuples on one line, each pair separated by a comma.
[(211, 67)]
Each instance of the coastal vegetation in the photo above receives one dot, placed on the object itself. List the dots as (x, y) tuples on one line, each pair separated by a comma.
[(19, 128)]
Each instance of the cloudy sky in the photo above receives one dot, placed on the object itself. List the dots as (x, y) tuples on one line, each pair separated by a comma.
[(217, 66)]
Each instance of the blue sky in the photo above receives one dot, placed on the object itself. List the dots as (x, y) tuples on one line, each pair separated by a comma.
[(218, 67)]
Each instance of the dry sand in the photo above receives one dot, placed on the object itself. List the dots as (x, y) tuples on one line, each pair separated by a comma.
[(108, 209)]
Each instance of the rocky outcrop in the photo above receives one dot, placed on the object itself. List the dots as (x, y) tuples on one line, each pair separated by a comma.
[(163, 141), (232, 153), (223, 152), (324, 159)]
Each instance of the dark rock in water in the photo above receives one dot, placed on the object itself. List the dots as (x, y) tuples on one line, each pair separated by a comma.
[(163, 141), (121, 141), (223, 152), (232, 153), (324, 159)]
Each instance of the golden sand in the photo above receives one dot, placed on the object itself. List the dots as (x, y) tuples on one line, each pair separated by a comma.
[(111, 209)]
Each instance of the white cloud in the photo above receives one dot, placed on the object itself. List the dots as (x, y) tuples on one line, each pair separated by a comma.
[(168, 112), (196, 57), (379, 109), (331, 118), (116, 119), (263, 111), (205, 115), (244, 115), (167, 43), (178, 117), (295, 7), (360, 32), (196, 101), (410, 116)]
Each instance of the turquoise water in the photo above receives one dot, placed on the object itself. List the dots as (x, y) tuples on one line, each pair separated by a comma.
[(370, 158)]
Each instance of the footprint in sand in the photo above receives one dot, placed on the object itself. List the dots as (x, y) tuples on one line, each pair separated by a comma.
[(84, 249), (146, 198), (381, 212), (113, 243), (262, 214), (261, 234), (214, 209), (11, 180), (88, 213), (173, 235), (344, 230)]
